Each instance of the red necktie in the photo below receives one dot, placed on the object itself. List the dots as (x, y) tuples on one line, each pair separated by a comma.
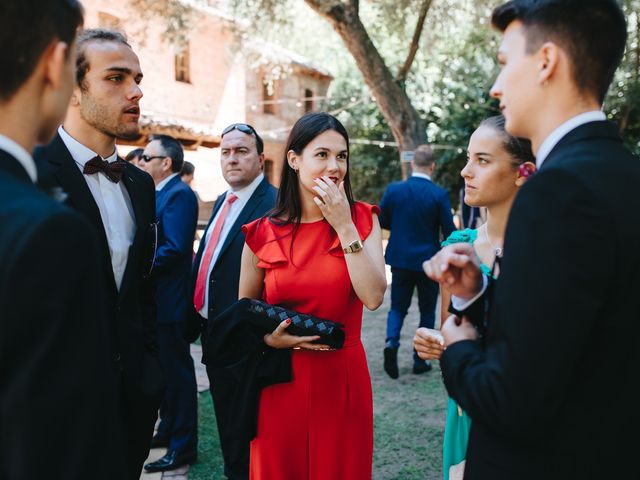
[(201, 281)]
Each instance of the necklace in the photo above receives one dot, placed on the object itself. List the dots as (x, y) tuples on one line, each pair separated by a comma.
[(496, 250)]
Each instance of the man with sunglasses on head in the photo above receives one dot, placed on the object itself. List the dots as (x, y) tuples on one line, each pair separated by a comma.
[(177, 214), (118, 200), (216, 269)]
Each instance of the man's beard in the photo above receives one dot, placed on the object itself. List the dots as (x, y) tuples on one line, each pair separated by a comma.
[(98, 117)]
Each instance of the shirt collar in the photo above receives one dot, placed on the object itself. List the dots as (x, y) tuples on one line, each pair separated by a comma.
[(245, 193), (560, 132), (421, 175), (21, 155), (164, 182), (80, 153)]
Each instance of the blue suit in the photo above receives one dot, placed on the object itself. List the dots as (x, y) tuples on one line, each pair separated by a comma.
[(177, 215), (416, 212)]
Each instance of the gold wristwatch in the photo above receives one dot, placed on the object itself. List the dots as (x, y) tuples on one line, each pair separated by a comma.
[(353, 247)]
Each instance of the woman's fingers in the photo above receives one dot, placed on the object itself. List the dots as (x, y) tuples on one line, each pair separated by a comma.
[(281, 329)]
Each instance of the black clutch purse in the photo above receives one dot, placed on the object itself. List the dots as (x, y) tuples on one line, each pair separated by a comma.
[(302, 325)]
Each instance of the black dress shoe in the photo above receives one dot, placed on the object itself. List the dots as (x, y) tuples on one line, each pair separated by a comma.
[(421, 367), (159, 441), (171, 461), (391, 362)]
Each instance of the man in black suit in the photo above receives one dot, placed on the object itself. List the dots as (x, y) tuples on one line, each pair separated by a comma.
[(57, 382), (118, 200), (177, 214), (216, 269), (549, 384)]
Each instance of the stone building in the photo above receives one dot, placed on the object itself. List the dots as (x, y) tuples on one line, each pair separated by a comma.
[(193, 90)]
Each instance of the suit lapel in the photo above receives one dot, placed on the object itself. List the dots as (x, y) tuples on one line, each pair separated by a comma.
[(245, 215), (137, 203), (72, 181), (214, 212)]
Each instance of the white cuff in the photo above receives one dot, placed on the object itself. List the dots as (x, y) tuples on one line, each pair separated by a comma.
[(461, 304)]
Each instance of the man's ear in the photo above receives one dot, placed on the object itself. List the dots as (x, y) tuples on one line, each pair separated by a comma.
[(261, 160), (56, 58), (548, 58)]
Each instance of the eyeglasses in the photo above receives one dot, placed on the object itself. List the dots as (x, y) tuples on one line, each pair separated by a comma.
[(242, 127), (147, 158)]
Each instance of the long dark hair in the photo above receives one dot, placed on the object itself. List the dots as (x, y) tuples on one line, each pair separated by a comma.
[(288, 209), (518, 148)]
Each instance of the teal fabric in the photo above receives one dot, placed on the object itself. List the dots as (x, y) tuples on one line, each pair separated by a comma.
[(458, 423)]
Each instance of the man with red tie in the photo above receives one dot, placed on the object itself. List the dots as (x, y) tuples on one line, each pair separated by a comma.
[(216, 270)]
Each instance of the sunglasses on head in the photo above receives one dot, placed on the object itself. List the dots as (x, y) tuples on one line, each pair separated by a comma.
[(147, 158), (242, 127)]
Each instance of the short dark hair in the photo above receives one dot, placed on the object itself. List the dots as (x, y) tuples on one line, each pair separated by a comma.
[(27, 27), (172, 149), (423, 156), (592, 32), (134, 154), (93, 35), (188, 168), (518, 148)]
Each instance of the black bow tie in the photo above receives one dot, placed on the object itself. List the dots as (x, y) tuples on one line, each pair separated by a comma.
[(113, 170)]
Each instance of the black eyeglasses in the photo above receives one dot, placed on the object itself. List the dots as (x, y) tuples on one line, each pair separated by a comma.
[(147, 158)]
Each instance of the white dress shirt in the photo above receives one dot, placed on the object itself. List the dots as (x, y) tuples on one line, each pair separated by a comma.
[(543, 152), (164, 182), (113, 202), (560, 132), (421, 175), (21, 155), (243, 194)]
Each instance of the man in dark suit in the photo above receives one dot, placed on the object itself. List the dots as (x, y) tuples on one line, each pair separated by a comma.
[(118, 200), (547, 393), (417, 212), (57, 382), (216, 269), (177, 214)]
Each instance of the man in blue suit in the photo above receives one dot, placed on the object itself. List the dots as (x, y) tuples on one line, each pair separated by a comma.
[(177, 215), (416, 212)]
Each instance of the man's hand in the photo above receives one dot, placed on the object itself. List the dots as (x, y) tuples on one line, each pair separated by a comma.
[(456, 330), (428, 343), (457, 268)]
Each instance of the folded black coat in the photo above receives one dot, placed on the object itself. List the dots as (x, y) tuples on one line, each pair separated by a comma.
[(239, 365)]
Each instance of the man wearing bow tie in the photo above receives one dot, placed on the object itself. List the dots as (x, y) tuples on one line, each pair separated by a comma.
[(118, 199)]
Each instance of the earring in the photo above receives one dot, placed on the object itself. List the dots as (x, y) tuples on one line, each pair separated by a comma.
[(525, 170)]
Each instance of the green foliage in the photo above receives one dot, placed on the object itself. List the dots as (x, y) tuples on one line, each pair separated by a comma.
[(623, 100)]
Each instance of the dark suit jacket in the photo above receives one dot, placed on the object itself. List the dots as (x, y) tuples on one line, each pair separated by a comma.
[(225, 276), (132, 309), (549, 395), (58, 415), (177, 214), (239, 365), (415, 211)]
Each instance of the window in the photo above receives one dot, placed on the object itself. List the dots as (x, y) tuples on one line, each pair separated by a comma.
[(308, 100), (108, 21), (268, 98), (182, 66)]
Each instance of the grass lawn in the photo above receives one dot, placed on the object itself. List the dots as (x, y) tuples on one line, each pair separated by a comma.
[(408, 413)]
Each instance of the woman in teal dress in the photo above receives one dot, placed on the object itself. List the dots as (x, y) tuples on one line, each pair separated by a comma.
[(498, 164)]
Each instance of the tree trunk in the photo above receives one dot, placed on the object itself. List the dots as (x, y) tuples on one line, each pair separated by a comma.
[(406, 125)]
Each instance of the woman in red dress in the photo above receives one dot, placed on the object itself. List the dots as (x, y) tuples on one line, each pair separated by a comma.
[(319, 253)]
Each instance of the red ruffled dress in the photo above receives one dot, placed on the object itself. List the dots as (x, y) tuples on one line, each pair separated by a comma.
[(319, 426)]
